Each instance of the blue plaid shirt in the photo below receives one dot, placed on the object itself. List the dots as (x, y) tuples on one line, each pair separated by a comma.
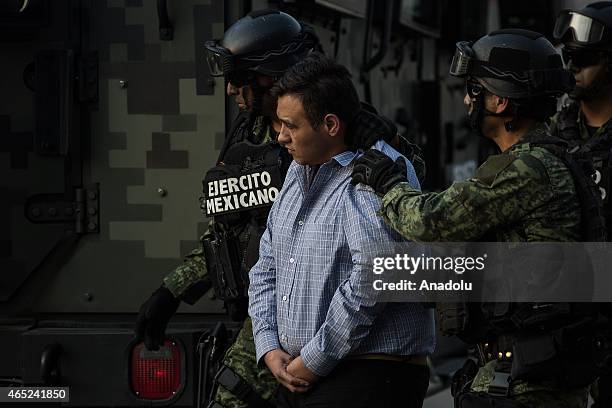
[(311, 289)]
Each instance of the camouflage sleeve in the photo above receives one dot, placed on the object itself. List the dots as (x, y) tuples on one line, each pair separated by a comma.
[(190, 280), (505, 189), (413, 153), (553, 124)]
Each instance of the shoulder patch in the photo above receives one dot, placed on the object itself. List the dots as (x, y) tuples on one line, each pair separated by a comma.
[(487, 173)]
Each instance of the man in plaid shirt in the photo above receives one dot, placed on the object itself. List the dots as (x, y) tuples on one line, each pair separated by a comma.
[(317, 322)]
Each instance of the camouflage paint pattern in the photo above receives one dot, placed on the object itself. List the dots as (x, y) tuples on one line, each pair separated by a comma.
[(240, 357), (524, 194), (192, 270), (533, 394)]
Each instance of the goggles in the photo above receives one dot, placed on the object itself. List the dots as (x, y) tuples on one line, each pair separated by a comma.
[(240, 78), (582, 58), (541, 81), (462, 60), (219, 59), (473, 88), (585, 29)]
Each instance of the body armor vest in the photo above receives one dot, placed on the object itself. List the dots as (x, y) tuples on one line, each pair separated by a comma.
[(541, 337), (237, 195), (595, 151)]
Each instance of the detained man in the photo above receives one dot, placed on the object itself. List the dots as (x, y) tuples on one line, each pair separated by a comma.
[(317, 322)]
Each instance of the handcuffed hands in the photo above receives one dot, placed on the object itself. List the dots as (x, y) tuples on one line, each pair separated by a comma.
[(278, 363)]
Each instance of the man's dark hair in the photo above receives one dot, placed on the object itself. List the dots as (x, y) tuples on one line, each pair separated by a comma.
[(323, 86)]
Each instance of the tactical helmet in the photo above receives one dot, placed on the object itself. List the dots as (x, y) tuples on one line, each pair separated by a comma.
[(589, 28), (513, 63), (264, 41)]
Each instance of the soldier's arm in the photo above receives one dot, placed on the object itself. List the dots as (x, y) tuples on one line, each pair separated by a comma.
[(190, 280), (505, 189)]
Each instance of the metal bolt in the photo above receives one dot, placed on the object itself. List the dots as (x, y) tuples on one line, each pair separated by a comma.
[(69, 211), (36, 212), (162, 192), (91, 226), (91, 211), (52, 212), (123, 84), (91, 195), (87, 296)]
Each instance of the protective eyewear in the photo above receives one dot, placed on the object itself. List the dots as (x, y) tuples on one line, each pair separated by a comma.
[(219, 59), (585, 29), (473, 88), (581, 58), (240, 78), (462, 60)]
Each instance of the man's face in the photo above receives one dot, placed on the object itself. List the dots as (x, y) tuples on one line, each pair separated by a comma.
[(308, 146), (243, 93), (588, 69)]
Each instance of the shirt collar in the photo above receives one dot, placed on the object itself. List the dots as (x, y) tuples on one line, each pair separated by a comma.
[(345, 158)]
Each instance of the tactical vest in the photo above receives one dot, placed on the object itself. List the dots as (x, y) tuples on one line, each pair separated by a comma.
[(237, 195), (480, 322), (595, 152)]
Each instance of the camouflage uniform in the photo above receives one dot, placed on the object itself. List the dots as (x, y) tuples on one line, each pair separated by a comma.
[(569, 125), (524, 194), (240, 356)]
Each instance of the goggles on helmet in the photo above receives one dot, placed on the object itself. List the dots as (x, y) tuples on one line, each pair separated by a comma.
[(462, 60), (219, 59), (540, 81), (586, 30)]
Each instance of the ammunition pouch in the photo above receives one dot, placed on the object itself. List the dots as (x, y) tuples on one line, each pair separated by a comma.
[(223, 257), (228, 379), (484, 400)]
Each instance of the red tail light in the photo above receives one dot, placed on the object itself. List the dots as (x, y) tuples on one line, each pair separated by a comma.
[(156, 375)]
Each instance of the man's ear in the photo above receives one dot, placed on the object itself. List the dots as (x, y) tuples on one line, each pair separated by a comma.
[(501, 104), (332, 124)]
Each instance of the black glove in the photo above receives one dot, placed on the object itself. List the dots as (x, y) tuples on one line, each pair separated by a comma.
[(378, 171), (367, 128), (153, 317)]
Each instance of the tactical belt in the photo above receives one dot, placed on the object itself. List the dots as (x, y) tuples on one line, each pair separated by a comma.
[(240, 388), (499, 385), (419, 360)]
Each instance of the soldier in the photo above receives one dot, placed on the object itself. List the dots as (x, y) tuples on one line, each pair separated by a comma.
[(585, 121), (238, 192), (529, 192)]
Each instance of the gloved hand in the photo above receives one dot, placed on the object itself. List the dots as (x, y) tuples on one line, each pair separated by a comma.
[(367, 128), (378, 171), (153, 317)]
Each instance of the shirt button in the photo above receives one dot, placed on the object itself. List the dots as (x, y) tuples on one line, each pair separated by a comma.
[(285, 298), (291, 260), (300, 222)]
